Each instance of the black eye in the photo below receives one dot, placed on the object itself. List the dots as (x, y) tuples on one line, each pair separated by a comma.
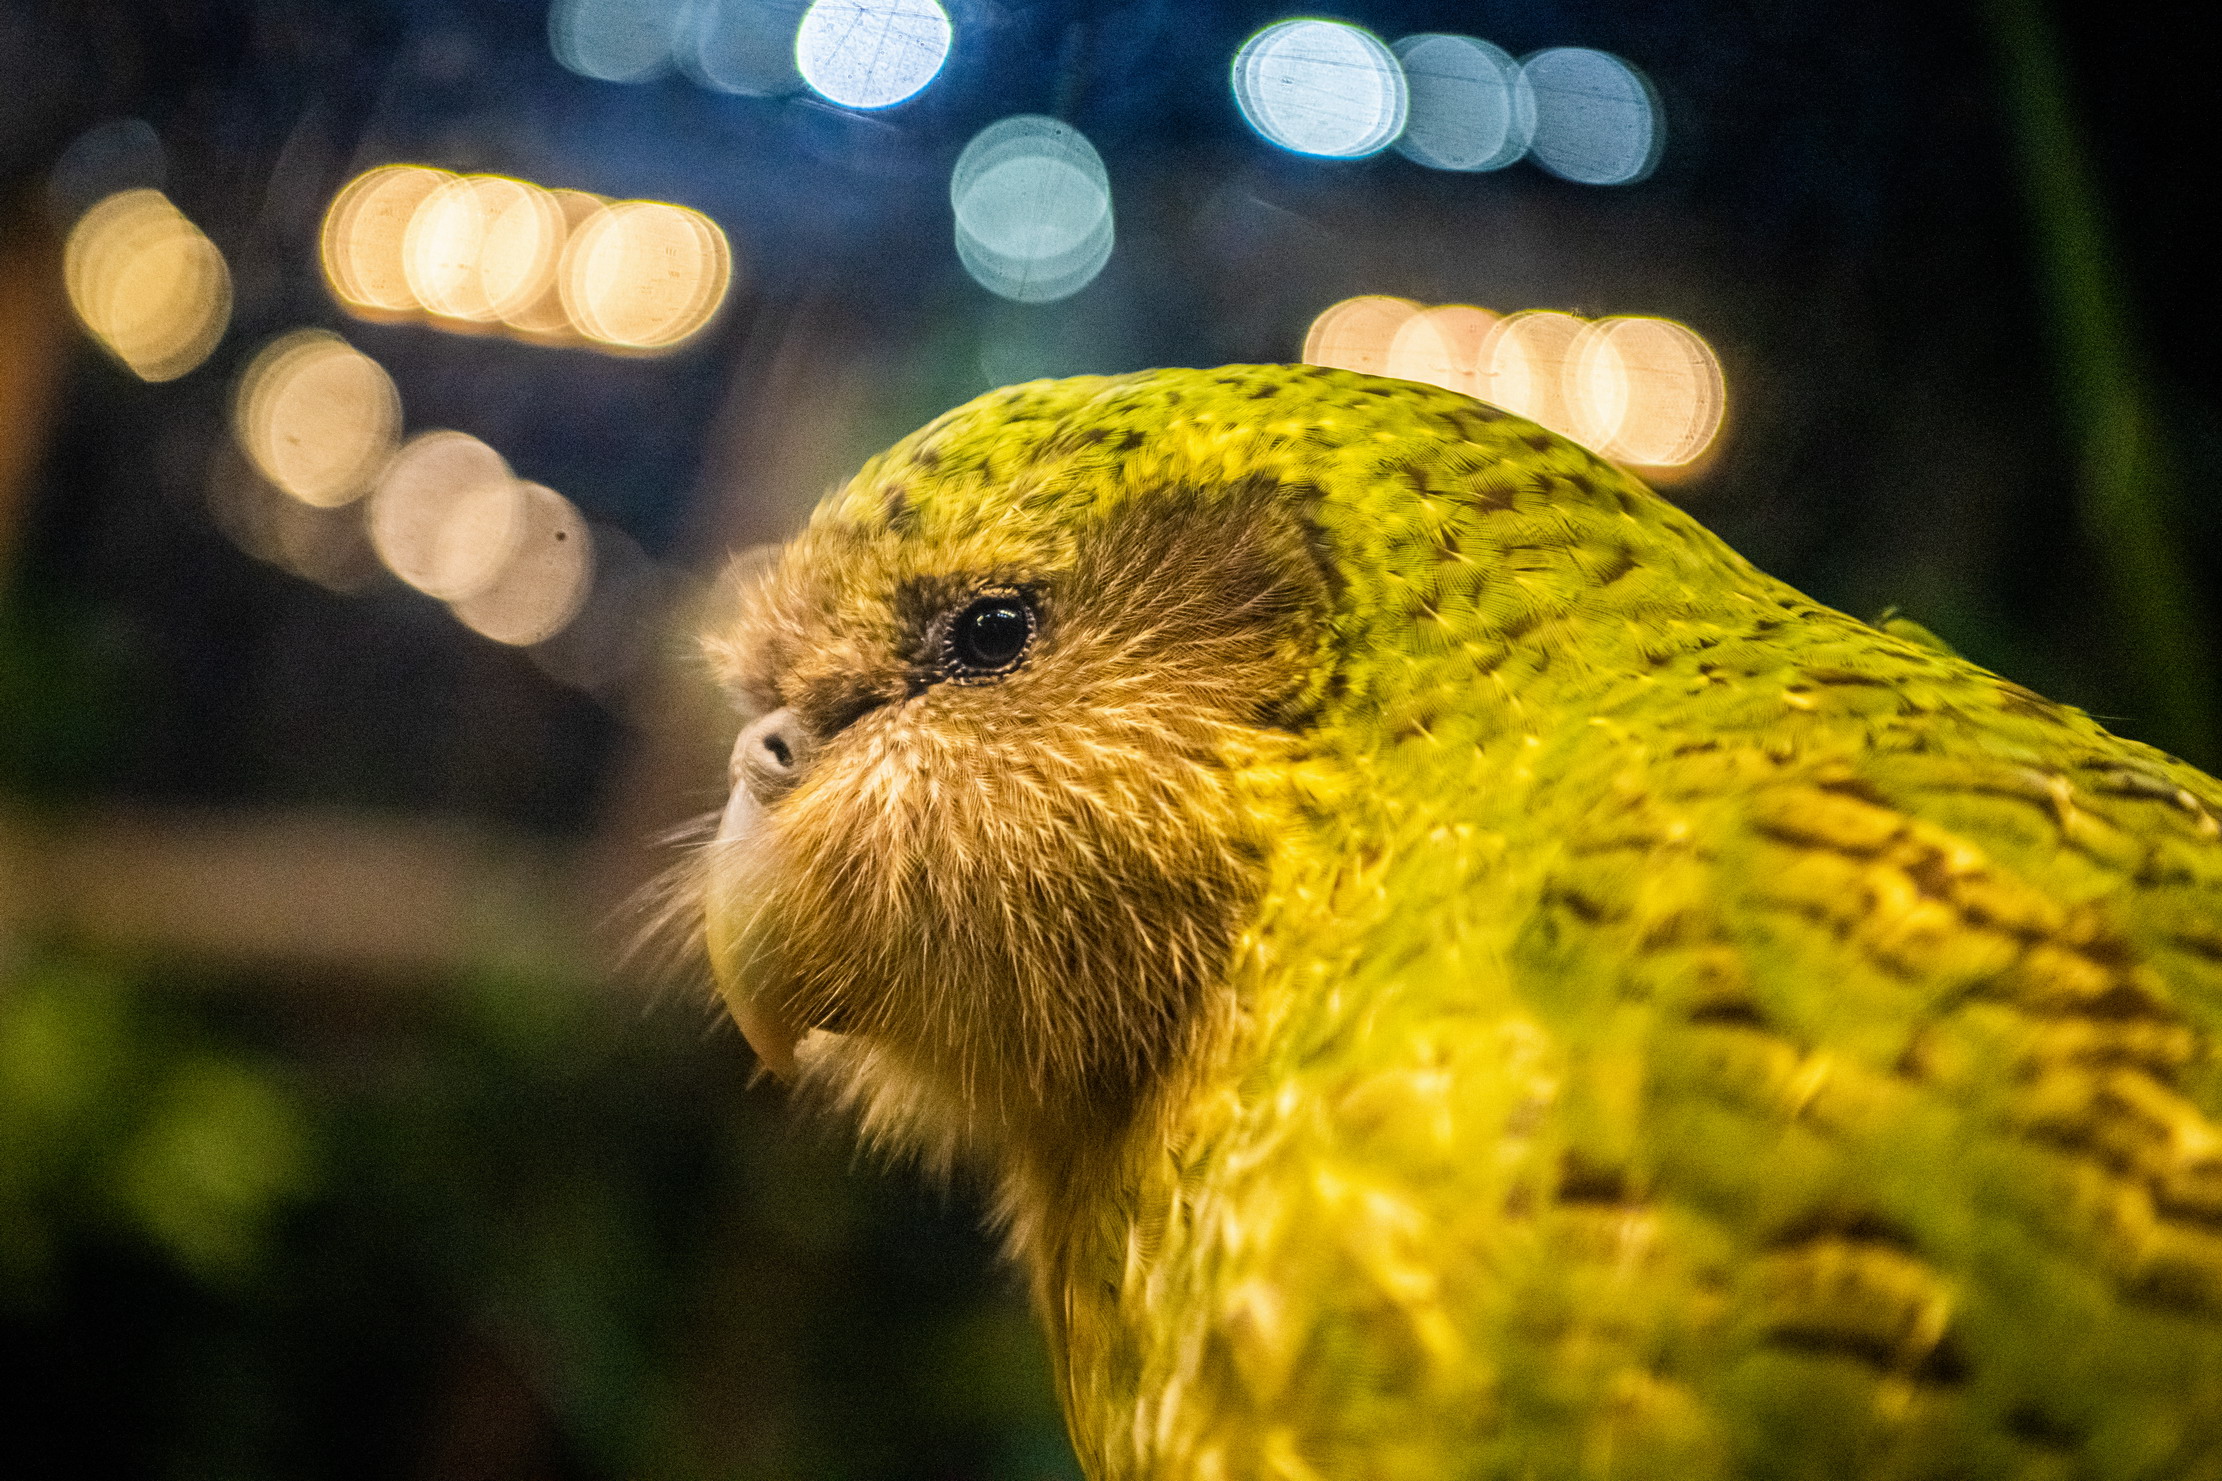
[(989, 637)]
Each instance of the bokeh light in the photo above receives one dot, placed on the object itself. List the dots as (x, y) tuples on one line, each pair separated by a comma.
[(614, 40), (544, 581), (1032, 204), (743, 46), (1357, 333), (318, 418), (476, 237), (1442, 347), (1647, 391), (554, 266), (364, 229), (1321, 87), (446, 515), (1643, 391), (871, 53), (317, 422), (1523, 367), (513, 262), (1471, 106), (146, 284), (620, 623), (519, 245), (1596, 117), (642, 275)]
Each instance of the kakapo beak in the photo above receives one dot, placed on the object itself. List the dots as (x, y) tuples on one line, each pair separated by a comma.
[(769, 1031)]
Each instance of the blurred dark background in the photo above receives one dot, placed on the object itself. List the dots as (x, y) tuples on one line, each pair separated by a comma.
[(338, 1136)]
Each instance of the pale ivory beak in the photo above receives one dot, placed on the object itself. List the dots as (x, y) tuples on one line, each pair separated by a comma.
[(766, 759)]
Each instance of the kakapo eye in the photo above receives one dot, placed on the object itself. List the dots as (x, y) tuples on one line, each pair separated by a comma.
[(988, 636)]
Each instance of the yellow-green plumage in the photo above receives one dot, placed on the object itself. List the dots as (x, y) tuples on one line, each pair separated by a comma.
[(1668, 1029)]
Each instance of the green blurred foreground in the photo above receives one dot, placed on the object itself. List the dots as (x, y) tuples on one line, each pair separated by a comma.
[(496, 1228)]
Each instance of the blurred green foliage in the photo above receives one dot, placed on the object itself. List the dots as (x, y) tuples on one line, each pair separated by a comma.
[(114, 1122), (505, 1226)]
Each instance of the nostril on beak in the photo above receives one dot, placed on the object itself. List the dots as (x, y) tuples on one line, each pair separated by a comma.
[(768, 757)]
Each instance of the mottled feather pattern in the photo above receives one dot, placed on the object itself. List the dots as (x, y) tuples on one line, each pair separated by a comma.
[(1661, 1027)]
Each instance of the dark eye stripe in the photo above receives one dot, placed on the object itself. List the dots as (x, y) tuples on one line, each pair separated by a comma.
[(989, 636)]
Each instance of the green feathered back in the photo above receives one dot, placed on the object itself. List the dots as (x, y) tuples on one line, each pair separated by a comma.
[(1688, 1032)]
